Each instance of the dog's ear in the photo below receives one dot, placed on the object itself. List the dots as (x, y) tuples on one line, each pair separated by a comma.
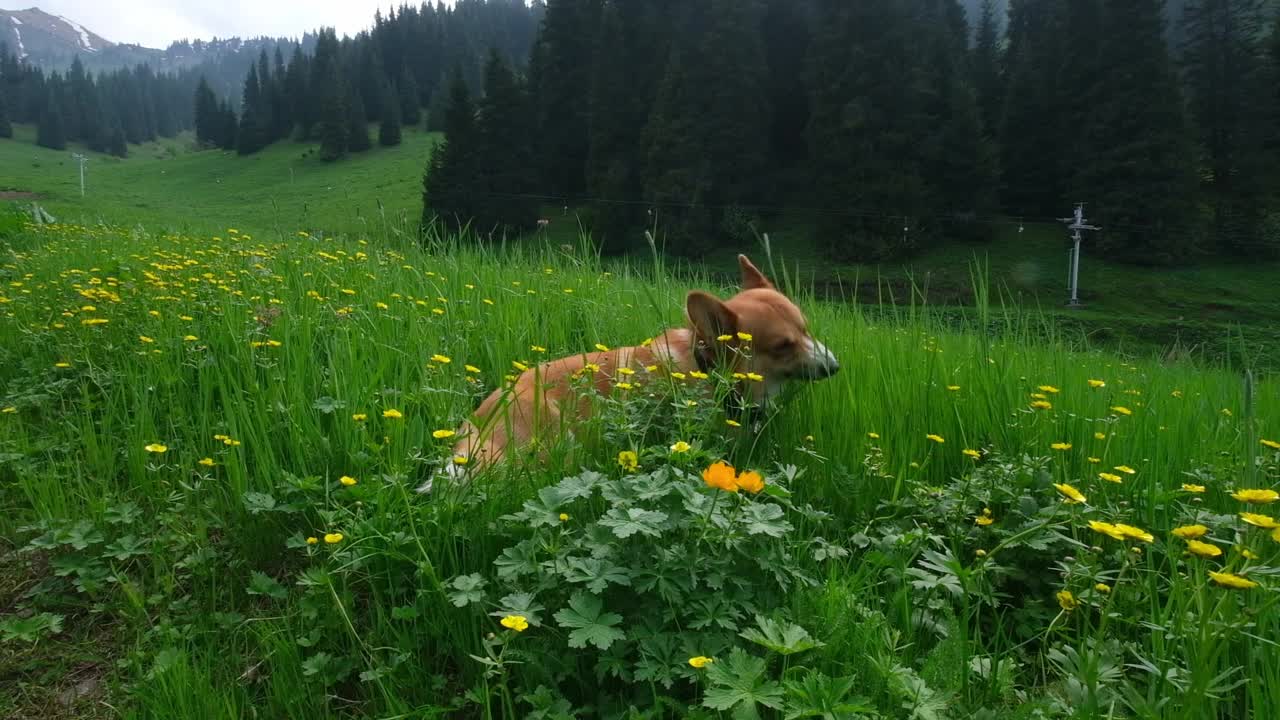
[(710, 317), (752, 278)]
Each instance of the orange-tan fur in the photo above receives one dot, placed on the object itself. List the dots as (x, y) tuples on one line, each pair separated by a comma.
[(546, 401)]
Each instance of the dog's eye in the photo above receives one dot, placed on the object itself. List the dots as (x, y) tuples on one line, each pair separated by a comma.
[(784, 347)]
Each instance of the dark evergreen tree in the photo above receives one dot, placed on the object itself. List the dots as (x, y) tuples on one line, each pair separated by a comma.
[(863, 132), (209, 121), (1141, 176), (51, 131), (631, 53), (708, 138), (451, 182), (410, 99), (297, 92), (357, 125), (329, 98), (389, 128), (438, 108), (116, 144), (788, 35), (252, 135), (560, 77), (1229, 98), (6, 127), (229, 127), (281, 119), (987, 80), (505, 153)]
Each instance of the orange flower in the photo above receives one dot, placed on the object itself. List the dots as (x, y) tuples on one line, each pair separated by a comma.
[(750, 481), (721, 475)]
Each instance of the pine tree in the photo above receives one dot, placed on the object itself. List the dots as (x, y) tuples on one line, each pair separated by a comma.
[(1226, 81), (207, 116), (357, 125), (559, 78), (250, 139), (6, 128), (389, 128), (628, 70), (281, 120), (787, 38), (116, 144), (866, 128), (708, 136), (505, 153), (297, 92), (987, 81), (51, 131), (438, 108), (451, 182), (1141, 177), (410, 103), (329, 98), (229, 126)]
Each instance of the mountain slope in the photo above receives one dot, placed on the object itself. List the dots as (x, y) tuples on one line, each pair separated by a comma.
[(45, 39)]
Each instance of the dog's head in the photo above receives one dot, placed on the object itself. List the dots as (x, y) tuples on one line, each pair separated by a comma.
[(759, 331)]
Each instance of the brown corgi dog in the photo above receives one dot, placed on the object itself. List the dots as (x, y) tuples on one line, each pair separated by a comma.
[(758, 333)]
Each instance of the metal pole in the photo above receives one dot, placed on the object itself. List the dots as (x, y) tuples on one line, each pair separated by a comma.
[(81, 159), (1075, 270)]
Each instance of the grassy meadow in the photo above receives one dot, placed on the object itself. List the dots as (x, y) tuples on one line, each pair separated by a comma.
[(216, 399)]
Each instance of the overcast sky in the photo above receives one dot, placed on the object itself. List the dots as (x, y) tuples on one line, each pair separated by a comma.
[(156, 23)]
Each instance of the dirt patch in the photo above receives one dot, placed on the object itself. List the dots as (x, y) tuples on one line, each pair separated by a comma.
[(19, 195)]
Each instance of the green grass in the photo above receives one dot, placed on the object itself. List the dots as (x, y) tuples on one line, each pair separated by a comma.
[(1215, 310), (257, 353)]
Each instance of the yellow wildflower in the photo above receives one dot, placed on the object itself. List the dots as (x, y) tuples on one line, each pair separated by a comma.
[(347, 480), (602, 348), (443, 434), (1190, 532), (1061, 446), (1041, 405), (953, 388), (1071, 494), (1260, 496), (1107, 529), (1271, 444), (392, 413), (873, 435), (1192, 488), (1233, 581), (519, 623), (156, 448), (471, 369), (1263, 521), (1102, 588), (1203, 549), (1066, 600), (936, 438), (1048, 389), (1130, 531), (1110, 477), (732, 423), (971, 453), (1121, 410), (359, 417), (1097, 383), (313, 540), (629, 460), (442, 359), (333, 538), (1126, 469), (9, 410), (681, 447), (753, 377), (700, 661)]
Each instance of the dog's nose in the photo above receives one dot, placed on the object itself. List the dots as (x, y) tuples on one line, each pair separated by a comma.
[(824, 363)]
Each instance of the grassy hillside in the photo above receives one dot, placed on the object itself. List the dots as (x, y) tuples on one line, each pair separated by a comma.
[(207, 446), (1215, 310)]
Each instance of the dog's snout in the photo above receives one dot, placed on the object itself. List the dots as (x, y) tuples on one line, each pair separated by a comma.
[(823, 363)]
